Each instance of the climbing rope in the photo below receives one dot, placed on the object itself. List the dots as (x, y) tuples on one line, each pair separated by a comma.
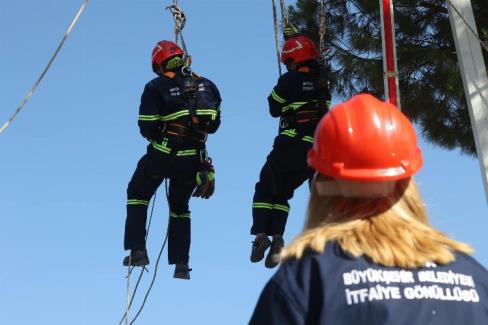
[(129, 300), (158, 259), (53, 57), (179, 18), (471, 29), (322, 28), (130, 297), (284, 14), (277, 35)]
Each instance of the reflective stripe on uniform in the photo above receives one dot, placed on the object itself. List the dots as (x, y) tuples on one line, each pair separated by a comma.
[(137, 202), (208, 111), (161, 147), (174, 116), (184, 153), (149, 117), (277, 97), (281, 207), (270, 206), (262, 205), (291, 133), (183, 215), (308, 139), (296, 105), (164, 149)]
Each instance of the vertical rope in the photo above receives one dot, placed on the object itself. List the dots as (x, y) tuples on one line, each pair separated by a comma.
[(322, 28), (284, 13), (175, 4), (277, 35), (129, 297)]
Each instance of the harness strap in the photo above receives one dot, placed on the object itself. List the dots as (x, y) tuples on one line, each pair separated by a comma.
[(178, 130)]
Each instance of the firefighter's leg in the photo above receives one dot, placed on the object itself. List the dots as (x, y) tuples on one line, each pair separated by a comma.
[(290, 182), (264, 196), (139, 192), (179, 236)]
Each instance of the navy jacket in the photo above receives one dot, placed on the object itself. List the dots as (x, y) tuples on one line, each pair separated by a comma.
[(294, 99), (162, 102), (336, 288)]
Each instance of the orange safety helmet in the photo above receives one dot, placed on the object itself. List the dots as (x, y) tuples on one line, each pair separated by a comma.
[(163, 51), (365, 140), (299, 49)]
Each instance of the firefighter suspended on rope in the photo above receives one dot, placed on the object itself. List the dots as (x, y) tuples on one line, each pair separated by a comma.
[(177, 111), (299, 100)]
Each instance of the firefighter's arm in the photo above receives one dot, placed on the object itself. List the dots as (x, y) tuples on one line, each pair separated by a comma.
[(149, 117), (209, 113), (277, 99)]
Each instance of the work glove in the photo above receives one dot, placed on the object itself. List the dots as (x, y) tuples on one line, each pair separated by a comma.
[(205, 181), (289, 31)]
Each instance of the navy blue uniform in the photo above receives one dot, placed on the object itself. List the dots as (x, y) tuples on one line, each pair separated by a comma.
[(336, 288), (295, 101), (174, 153)]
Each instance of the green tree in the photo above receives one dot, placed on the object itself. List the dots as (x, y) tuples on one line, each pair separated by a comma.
[(431, 88)]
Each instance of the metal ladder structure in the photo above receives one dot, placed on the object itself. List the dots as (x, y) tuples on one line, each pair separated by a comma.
[(472, 66)]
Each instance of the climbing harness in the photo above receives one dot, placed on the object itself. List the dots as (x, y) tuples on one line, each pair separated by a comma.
[(51, 60)]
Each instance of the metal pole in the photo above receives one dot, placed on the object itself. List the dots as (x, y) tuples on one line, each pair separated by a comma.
[(390, 71), (475, 81)]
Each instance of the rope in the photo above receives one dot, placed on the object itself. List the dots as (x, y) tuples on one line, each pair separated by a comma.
[(284, 13), (180, 21), (277, 35), (31, 92), (129, 300), (483, 45), (157, 261), (322, 28), (130, 297)]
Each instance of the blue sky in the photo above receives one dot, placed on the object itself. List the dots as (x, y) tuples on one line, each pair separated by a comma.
[(67, 158)]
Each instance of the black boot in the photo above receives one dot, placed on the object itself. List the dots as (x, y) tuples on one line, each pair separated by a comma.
[(182, 271), (259, 246), (137, 257), (273, 257)]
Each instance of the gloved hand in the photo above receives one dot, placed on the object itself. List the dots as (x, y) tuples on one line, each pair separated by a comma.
[(289, 31), (205, 181)]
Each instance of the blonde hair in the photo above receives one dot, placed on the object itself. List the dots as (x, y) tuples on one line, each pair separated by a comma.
[(391, 231)]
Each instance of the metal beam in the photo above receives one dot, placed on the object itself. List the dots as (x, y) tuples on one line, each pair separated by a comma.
[(473, 72)]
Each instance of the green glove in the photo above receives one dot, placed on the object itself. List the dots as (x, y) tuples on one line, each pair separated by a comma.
[(289, 31), (205, 183)]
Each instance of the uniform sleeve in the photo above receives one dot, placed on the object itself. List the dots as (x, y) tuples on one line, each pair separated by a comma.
[(277, 99), (209, 114), (275, 307), (149, 113)]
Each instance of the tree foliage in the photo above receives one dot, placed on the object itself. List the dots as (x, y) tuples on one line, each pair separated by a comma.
[(430, 82)]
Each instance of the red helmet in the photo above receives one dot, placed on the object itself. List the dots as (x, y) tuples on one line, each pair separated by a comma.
[(367, 140), (299, 49), (163, 51)]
